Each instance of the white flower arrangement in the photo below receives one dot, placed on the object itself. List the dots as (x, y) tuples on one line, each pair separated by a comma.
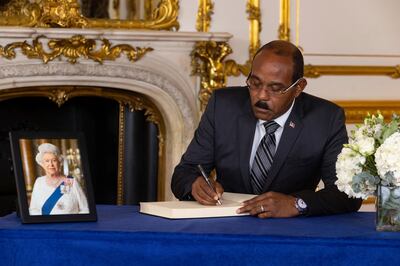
[(372, 157)]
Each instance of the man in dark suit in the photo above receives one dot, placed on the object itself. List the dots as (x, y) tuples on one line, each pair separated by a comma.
[(283, 166)]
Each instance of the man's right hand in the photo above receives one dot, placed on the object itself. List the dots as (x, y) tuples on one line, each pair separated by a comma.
[(205, 195)]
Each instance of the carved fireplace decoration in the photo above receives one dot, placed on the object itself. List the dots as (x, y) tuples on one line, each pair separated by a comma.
[(61, 94), (207, 62), (48, 50), (73, 48), (67, 14)]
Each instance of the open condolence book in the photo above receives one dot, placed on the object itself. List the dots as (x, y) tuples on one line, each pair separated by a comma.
[(192, 209)]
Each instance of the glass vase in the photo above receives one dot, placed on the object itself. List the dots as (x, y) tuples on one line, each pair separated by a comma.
[(388, 209)]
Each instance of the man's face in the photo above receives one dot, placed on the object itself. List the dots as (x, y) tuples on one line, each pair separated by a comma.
[(275, 72)]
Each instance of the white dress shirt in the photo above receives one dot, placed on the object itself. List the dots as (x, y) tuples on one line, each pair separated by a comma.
[(260, 132)]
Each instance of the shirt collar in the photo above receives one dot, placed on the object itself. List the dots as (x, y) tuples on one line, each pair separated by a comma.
[(281, 120)]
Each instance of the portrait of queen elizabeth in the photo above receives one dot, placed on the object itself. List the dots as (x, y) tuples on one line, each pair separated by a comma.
[(56, 193)]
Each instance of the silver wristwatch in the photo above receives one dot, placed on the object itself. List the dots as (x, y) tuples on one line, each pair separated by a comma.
[(301, 206)]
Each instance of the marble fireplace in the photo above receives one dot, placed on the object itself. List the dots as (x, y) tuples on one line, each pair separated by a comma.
[(160, 78)]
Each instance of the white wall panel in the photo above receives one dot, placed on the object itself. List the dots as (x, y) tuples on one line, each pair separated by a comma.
[(340, 32)]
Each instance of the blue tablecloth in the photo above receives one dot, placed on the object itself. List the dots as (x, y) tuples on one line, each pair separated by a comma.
[(124, 236)]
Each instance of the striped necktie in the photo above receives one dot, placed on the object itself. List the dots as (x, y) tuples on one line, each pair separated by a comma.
[(264, 156)]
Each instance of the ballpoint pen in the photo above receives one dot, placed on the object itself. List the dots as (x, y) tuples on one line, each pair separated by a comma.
[(208, 181)]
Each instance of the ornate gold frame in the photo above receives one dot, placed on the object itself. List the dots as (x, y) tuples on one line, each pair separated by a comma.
[(284, 21), (66, 14), (73, 48), (207, 62), (134, 101), (356, 110), (203, 21), (315, 71), (207, 57)]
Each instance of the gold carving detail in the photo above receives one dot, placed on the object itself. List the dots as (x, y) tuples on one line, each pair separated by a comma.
[(357, 110), (254, 12), (20, 13), (284, 21), (61, 13), (67, 14), (207, 62), (73, 48), (206, 9), (59, 96), (315, 71), (46, 13)]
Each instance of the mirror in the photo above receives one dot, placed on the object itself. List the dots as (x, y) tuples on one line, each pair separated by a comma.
[(131, 14), (119, 9)]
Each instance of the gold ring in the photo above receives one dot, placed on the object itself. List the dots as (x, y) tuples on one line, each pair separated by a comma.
[(262, 208)]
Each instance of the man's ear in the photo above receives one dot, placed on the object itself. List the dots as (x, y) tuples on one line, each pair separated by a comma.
[(301, 85)]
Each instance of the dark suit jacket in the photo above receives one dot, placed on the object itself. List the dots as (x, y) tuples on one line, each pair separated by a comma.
[(311, 140)]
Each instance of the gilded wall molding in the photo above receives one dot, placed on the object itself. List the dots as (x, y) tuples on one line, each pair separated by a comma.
[(357, 110), (254, 17), (284, 21), (315, 71), (73, 48), (135, 102), (203, 21), (67, 14), (207, 62)]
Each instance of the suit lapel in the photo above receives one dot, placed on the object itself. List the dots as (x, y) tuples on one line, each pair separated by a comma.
[(246, 125), (292, 128)]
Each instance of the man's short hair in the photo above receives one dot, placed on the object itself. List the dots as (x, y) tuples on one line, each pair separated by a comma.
[(284, 48)]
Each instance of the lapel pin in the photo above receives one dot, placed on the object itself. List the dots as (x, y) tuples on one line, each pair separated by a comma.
[(292, 125)]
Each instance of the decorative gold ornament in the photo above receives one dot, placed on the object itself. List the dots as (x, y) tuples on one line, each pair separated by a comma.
[(46, 13), (284, 21), (67, 14), (207, 62), (20, 13), (206, 9), (63, 14), (315, 71), (59, 96), (73, 48), (356, 111), (254, 12)]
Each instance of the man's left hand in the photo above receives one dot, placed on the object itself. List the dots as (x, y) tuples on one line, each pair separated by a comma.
[(270, 204)]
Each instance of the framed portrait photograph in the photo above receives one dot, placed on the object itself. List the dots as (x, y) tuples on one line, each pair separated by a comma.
[(52, 177)]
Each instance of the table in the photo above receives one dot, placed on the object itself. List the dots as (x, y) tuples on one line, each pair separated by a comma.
[(123, 236)]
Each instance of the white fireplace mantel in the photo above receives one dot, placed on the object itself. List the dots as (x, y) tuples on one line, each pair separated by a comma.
[(163, 75)]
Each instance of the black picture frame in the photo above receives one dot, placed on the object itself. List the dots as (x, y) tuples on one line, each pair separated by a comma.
[(72, 147)]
